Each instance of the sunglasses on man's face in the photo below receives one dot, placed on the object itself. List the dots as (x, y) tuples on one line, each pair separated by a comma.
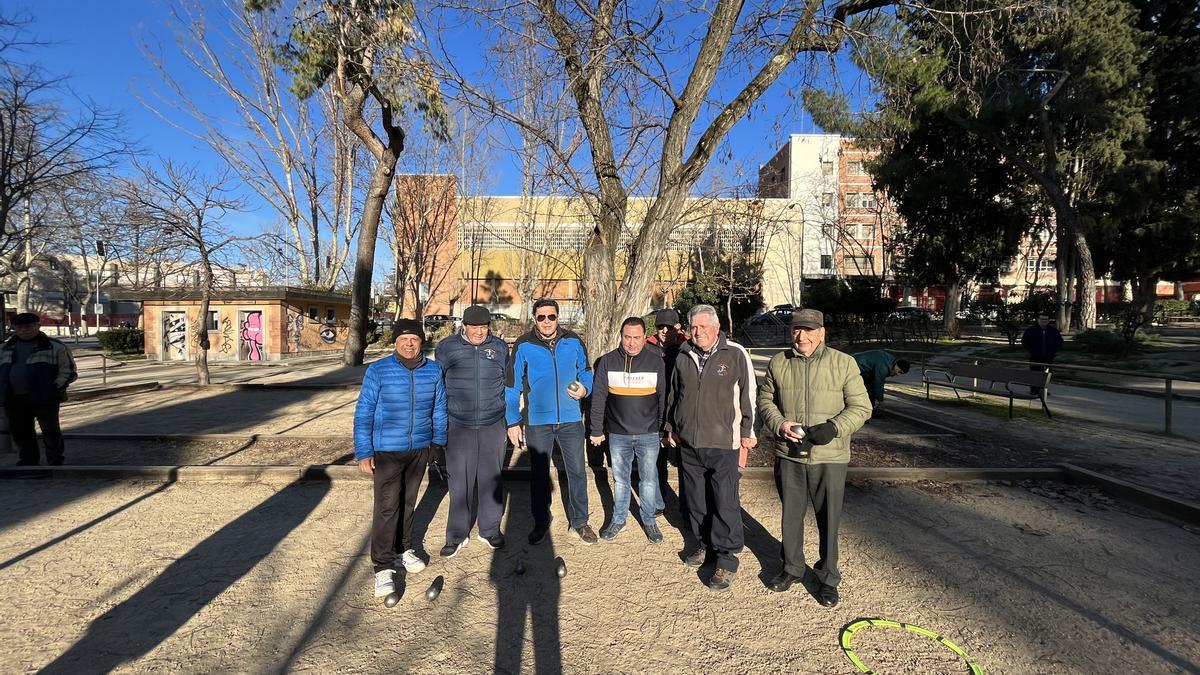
[(546, 317)]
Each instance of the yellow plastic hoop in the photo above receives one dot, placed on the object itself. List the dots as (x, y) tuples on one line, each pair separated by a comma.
[(851, 628)]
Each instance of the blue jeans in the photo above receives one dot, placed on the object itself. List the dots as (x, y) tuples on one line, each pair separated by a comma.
[(540, 439), (623, 449)]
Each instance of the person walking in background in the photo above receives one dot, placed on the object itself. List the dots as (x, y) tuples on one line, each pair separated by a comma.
[(813, 398), (1042, 340), (627, 407), (474, 362), (710, 417), (875, 366), (399, 419), (549, 368), (35, 371)]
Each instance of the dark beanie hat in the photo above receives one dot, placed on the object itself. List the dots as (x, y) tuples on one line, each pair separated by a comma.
[(25, 319), (407, 327), (666, 317), (477, 316)]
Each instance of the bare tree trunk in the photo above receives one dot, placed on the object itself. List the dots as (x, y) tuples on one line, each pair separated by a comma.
[(950, 310), (1087, 284), (202, 375), (364, 264), (1145, 296), (1178, 290)]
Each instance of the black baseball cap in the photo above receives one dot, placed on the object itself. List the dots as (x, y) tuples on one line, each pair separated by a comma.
[(26, 318)]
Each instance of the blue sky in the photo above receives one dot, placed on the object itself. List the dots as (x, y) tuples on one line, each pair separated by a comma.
[(96, 45)]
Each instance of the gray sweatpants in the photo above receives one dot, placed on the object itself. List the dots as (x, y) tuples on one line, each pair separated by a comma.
[(473, 460)]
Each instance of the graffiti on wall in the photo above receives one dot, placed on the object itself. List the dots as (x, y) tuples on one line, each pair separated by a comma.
[(226, 336), (175, 336), (328, 334), (251, 337), (296, 329)]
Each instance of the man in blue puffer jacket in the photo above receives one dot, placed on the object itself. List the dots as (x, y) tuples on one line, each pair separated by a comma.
[(401, 415), (474, 362), (550, 368)]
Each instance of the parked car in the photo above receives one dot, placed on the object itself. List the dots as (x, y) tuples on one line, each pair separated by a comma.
[(909, 314), (501, 316), (435, 321)]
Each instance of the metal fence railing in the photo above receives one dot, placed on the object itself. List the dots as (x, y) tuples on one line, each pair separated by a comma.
[(1168, 379)]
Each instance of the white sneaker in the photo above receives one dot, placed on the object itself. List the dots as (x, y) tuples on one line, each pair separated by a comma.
[(385, 585), (410, 562)]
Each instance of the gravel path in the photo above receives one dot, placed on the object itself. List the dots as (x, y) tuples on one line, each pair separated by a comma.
[(202, 577)]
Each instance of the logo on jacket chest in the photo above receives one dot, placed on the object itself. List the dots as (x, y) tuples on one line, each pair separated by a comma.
[(722, 370), (489, 354)]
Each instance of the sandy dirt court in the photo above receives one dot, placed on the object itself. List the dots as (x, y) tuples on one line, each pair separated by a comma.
[(225, 577)]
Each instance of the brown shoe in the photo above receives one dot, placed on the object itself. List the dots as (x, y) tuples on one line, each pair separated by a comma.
[(586, 534), (722, 579), (696, 558)]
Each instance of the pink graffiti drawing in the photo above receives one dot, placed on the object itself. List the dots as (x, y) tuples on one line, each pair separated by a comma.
[(252, 336)]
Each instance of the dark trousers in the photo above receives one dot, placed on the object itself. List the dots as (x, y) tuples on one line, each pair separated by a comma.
[(398, 478), (541, 439), (825, 486), (22, 411), (713, 471), (473, 461)]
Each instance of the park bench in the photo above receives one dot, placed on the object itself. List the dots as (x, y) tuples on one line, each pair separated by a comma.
[(1000, 381)]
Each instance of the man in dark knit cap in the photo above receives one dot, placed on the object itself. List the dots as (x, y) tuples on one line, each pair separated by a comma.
[(400, 417)]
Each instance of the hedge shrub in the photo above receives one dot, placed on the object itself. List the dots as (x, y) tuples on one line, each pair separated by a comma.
[(122, 340)]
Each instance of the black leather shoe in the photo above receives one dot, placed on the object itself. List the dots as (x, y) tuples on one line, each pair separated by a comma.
[(782, 582), (828, 595), (538, 535)]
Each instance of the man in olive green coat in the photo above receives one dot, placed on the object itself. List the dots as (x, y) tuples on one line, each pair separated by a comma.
[(813, 399)]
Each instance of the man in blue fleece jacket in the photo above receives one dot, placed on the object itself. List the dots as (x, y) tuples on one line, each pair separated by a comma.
[(400, 416), (549, 368)]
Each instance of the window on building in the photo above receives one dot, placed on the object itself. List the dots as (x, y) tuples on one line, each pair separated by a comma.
[(866, 200), (856, 168), (852, 200), (829, 230), (330, 314), (313, 313), (827, 168), (866, 233), (859, 264), (827, 199), (214, 320), (1039, 265), (827, 262)]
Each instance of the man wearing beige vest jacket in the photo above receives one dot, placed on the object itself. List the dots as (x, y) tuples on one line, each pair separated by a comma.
[(813, 399)]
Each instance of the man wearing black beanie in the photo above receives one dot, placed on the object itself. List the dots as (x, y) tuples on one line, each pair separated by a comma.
[(400, 416)]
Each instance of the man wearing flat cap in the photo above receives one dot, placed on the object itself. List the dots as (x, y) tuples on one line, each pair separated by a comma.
[(813, 399), (473, 362), (400, 417), (34, 373)]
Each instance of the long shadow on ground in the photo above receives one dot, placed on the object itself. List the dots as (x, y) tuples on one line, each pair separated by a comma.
[(136, 626)]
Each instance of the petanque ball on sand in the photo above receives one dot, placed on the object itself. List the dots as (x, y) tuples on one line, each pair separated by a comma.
[(391, 600), (560, 567), (520, 569), (435, 588)]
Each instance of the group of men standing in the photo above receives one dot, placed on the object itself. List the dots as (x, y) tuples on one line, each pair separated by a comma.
[(694, 394)]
